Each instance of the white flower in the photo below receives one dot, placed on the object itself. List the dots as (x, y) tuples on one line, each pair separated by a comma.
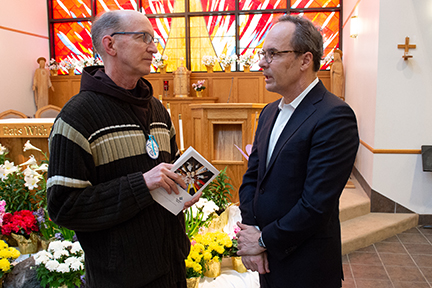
[(59, 253), (159, 59), (76, 248), (209, 208), (63, 268), (209, 60), (42, 168), (32, 161), (74, 263), (227, 60), (42, 257), (247, 59), (3, 150), (28, 146), (52, 265), (3, 174), (9, 167), (31, 182), (55, 245), (66, 244)]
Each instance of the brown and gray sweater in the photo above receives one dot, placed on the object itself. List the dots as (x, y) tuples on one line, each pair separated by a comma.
[(95, 184)]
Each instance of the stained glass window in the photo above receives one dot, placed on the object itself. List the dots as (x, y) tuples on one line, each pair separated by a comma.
[(163, 6), (214, 27), (71, 9), (314, 3), (107, 5)]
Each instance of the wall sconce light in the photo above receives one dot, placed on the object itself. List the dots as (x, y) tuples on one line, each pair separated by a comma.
[(354, 27)]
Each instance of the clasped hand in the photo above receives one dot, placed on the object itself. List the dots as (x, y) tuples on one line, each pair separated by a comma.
[(254, 257), (161, 176)]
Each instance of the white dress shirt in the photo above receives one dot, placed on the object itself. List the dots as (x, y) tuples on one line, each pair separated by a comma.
[(286, 110)]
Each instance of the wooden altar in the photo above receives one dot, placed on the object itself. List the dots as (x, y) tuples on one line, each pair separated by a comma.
[(218, 128), (15, 132)]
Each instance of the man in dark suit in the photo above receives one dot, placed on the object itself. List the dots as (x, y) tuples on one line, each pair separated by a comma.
[(302, 157)]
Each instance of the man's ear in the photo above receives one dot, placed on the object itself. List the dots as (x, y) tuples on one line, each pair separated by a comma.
[(307, 61), (108, 45)]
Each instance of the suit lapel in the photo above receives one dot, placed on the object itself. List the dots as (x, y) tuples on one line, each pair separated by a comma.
[(300, 115), (267, 128)]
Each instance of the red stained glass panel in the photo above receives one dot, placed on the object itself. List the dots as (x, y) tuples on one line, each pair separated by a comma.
[(261, 4), (162, 6), (329, 25), (72, 39), (109, 5), (211, 5), (314, 3), (71, 9)]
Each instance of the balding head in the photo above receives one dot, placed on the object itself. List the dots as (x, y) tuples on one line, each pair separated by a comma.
[(108, 23)]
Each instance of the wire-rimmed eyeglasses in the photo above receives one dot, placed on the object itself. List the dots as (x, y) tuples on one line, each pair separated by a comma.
[(147, 38), (268, 55)]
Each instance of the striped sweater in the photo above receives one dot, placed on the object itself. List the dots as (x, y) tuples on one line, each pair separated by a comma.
[(96, 187)]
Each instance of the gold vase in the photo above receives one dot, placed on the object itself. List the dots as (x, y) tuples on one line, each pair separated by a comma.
[(209, 68), (54, 72), (213, 269), (162, 69), (193, 282), (199, 94), (43, 243), (246, 68), (227, 68), (237, 264), (26, 246), (71, 71)]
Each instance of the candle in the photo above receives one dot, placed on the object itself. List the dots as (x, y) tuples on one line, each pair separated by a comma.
[(181, 133), (169, 109)]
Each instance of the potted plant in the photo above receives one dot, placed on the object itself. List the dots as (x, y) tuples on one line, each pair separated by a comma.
[(247, 60), (62, 265), (159, 62), (22, 226), (209, 62), (199, 87), (7, 255), (226, 61)]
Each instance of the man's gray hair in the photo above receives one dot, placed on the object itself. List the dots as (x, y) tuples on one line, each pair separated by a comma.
[(306, 38), (106, 24)]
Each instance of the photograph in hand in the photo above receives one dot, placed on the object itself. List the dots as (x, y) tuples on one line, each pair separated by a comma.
[(194, 174)]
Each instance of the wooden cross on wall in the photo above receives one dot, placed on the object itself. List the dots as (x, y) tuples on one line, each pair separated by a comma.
[(406, 46)]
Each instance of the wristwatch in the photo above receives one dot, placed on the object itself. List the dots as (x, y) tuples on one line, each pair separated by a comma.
[(261, 243)]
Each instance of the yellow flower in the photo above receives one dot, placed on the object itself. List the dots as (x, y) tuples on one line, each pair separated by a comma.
[(4, 265), (197, 267), (207, 255)]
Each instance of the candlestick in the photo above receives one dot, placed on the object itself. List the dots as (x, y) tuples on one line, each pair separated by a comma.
[(181, 133), (169, 109)]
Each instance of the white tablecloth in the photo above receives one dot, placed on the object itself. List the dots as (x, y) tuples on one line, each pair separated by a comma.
[(231, 278)]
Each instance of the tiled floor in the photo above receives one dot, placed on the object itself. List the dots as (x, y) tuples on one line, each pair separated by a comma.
[(402, 261)]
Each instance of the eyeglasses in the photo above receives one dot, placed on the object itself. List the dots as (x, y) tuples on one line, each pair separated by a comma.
[(268, 55), (147, 38)]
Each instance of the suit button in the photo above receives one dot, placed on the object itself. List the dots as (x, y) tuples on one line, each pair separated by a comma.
[(261, 191)]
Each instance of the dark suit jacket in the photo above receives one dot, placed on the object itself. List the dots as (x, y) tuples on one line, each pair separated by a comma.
[(295, 200)]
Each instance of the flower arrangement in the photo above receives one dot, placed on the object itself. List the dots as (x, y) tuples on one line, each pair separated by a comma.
[(216, 245), (247, 59), (7, 255), (20, 222), (67, 64), (199, 216), (53, 64), (62, 264), (195, 262), (159, 60), (225, 60), (199, 86), (219, 191), (209, 60), (23, 189)]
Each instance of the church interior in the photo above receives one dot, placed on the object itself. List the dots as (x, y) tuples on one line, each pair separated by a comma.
[(384, 75)]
